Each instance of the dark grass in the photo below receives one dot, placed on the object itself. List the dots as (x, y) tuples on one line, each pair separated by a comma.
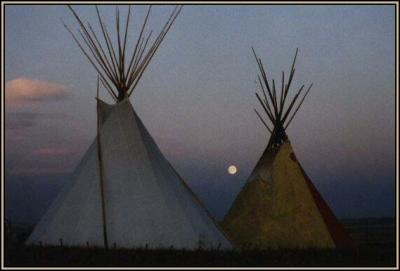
[(374, 240), (85, 257)]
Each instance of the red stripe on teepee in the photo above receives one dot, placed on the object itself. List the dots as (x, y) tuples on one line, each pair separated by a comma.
[(338, 233)]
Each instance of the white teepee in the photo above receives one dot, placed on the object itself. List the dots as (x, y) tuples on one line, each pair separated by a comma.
[(146, 201), (124, 193)]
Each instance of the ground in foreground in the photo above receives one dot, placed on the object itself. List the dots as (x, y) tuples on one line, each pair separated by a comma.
[(75, 257)]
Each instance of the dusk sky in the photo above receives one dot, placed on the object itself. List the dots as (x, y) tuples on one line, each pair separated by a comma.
[(197, 98)]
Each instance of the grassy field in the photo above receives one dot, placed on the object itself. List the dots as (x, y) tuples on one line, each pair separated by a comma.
[(365, 257), (375, 240)]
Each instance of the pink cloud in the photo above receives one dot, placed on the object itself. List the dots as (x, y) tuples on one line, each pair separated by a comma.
[(52, 152), (24, 90), (41, 170), (41, 160)]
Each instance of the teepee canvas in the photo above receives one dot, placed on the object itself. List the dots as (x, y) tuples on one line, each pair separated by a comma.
[(279, 207), (124, 192)]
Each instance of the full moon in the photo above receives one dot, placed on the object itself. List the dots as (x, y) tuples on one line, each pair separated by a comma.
[(232, 169)]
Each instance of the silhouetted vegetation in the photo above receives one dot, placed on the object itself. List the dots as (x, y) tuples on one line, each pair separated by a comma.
[(380, 252)]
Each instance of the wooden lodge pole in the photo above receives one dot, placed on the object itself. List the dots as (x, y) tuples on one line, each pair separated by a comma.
[(100, 160)]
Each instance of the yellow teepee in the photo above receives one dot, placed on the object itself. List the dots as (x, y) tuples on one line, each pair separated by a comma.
[(279, 207)]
